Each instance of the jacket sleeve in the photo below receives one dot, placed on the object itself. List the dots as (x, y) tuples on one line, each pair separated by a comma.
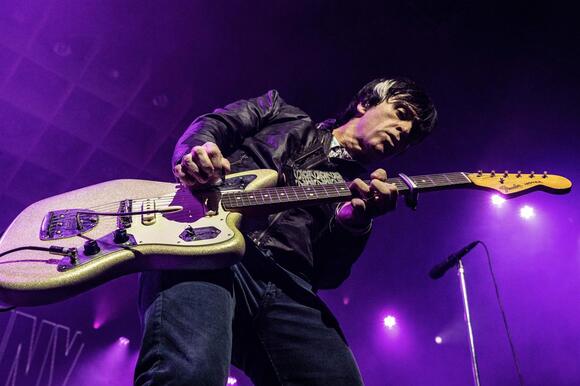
[(227, 127), (336, 249)]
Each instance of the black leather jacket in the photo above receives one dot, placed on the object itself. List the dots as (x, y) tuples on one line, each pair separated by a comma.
[(267, 133)]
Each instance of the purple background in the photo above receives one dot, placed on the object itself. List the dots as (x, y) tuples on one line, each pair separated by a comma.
[(97, 90)]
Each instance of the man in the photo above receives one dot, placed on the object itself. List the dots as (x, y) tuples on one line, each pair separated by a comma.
[(263, 314)]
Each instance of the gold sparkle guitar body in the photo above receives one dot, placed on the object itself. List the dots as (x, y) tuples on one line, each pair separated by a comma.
[(67, 244), (187, 237)]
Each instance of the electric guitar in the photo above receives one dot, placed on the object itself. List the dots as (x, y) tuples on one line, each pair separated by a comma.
[(72, 242)]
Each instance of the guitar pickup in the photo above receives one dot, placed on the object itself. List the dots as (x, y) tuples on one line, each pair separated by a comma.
[(148, 205)]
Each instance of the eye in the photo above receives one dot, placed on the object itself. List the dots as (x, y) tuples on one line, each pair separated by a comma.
[(404, 114)]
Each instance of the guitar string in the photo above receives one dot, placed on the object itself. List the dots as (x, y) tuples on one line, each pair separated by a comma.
[(435, 179), (301, 193)]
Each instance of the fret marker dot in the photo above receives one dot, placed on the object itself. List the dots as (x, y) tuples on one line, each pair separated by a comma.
[(281, 194), (251, 196), (311, 194), (265, 195), (238, 197)]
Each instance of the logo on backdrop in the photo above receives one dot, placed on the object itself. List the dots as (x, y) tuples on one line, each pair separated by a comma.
[(36, 351)]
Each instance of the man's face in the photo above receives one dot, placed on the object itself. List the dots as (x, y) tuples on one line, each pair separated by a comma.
[(383, 130)]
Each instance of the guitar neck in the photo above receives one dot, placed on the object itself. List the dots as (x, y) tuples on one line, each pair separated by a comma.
[(284, 197)]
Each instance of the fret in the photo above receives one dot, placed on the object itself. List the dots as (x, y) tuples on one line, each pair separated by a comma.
[(338, 191)]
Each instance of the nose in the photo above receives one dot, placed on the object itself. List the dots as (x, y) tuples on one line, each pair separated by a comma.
[(404, 127)]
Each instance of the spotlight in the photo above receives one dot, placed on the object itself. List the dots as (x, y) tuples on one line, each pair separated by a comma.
[(345, 300), (527, 212), (497, 200), (114, 74), (232, 381), (390, 321), (61, 49), (160, 101), (438, 340), (123, 341), (96, 325)]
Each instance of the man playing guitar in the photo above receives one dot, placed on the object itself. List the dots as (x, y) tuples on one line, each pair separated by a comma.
[(263, 314)]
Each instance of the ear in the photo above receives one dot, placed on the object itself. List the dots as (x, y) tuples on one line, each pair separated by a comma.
[(361, 109)]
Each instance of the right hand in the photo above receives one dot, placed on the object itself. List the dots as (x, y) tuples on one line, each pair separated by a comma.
[(203, 166)]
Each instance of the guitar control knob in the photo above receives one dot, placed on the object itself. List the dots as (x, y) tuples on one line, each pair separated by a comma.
[(545, 175), (532, 174), (519, 174), (120, 236), (91, 247), (492, 173)]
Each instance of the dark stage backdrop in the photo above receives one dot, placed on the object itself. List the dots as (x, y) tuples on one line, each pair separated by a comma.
[(98, 90)]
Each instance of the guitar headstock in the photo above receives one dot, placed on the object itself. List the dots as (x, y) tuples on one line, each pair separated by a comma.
[(512, 184)]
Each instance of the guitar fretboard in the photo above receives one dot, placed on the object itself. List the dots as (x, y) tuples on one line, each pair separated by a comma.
[(332, 192)]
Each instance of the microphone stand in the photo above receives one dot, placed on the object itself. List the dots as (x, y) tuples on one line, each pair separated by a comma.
[(474, 368)]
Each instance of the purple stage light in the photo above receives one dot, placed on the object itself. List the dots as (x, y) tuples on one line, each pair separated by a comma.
[(438, 340), (390, 322), (345, 300), (96, 325), (497, 200), (527, 212), (232, 381), (123, 341)]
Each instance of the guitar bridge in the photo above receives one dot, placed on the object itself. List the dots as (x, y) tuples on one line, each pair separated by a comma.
[(60, 224), (125, 206)]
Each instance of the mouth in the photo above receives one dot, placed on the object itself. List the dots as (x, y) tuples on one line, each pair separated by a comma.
[(392, 140)]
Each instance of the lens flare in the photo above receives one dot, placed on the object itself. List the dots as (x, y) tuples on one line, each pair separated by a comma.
[(123, 341), (497, 200), (527, 212), (438, 340), (390, 321)]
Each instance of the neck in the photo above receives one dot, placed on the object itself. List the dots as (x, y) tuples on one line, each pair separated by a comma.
[(345, 135), (275, 199)]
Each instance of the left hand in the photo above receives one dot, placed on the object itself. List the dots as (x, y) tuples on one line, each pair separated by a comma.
[(375, 199)]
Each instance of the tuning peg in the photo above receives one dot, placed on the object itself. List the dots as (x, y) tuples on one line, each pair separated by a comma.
[(505, 173), (492, 173), (479, 173), (532, 174), (519, 174), (545, 175)]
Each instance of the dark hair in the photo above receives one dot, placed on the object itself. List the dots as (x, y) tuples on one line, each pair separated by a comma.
[(399, 89)]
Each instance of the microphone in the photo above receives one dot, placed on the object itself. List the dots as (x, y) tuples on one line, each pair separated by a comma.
[(439, 270)]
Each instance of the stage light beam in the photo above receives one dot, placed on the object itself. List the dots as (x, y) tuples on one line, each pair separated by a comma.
[(438, 340)]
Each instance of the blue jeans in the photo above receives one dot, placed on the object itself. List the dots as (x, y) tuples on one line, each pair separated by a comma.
[(257, 316)]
